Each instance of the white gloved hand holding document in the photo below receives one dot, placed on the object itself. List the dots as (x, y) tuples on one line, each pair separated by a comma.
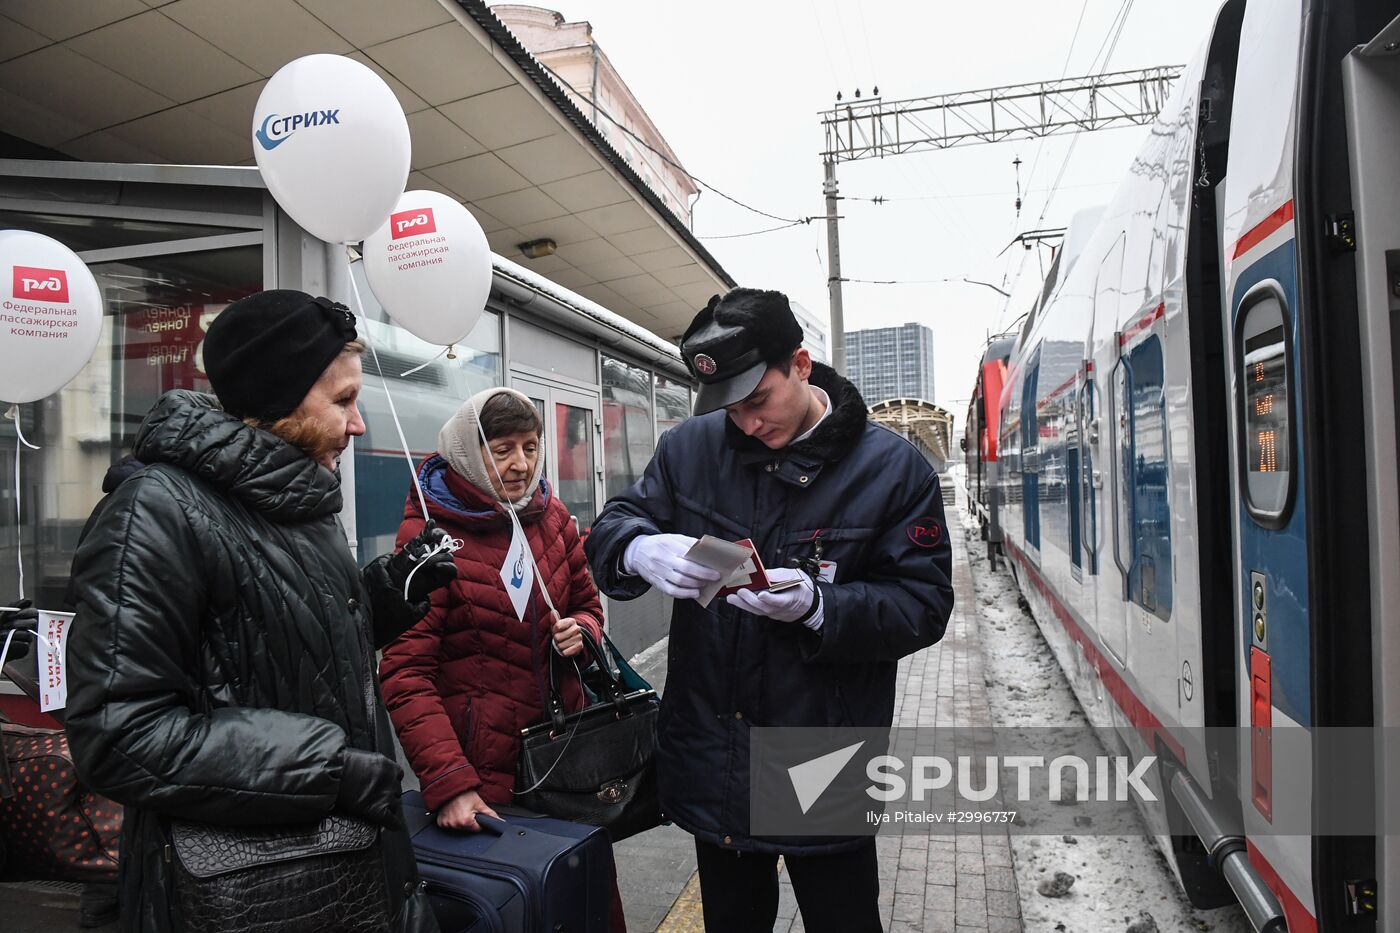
[(789, 598), (665, 562)]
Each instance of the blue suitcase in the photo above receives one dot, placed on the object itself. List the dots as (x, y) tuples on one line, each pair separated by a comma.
[(520, 874)]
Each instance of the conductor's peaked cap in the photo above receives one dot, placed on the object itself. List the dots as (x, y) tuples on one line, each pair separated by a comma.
[(732, 342)]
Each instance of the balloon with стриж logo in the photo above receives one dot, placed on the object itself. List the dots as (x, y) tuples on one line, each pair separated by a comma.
[(430, 267), (50, 315), (332, 144)]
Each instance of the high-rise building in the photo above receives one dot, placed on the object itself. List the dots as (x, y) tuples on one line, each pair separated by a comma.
[(891, 362), (814, 333)]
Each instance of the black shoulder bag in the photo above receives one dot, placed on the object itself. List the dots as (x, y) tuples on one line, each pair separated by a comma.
[(327, 875), (595, 765)]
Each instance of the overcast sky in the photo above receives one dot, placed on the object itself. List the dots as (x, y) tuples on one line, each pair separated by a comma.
[(736, 88)]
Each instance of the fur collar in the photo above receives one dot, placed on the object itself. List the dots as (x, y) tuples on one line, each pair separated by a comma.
[(834, 438)]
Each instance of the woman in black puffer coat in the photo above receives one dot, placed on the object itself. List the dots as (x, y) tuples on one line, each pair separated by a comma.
[(222, 664)]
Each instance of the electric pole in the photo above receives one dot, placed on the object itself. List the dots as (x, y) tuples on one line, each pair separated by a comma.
[(833, 279)]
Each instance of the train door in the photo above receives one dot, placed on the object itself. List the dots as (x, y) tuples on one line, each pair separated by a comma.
[(1372, 76), (571, 431), (1108, 425), (1030, 458), (1272, 583), (1086, 417)]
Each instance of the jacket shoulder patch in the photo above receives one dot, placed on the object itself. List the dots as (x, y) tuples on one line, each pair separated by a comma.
[(925, 532)]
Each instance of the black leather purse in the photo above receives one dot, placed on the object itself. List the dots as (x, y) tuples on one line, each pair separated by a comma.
[(326, 876), (595, 765)]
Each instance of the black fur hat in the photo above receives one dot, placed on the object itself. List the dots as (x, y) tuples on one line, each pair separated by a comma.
[(733, 341), (264, 352)]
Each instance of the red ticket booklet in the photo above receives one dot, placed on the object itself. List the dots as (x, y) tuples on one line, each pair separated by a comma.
[(750, 575)]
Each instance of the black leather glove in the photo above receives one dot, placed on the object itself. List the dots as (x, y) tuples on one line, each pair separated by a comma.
[(370, 787), (438, 571), (24, 619)]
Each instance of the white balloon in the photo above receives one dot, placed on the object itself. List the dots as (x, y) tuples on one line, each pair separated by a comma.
[(332, 143), (430, 267), (50, 315)]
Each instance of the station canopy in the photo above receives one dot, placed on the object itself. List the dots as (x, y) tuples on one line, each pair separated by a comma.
[(176, 81)]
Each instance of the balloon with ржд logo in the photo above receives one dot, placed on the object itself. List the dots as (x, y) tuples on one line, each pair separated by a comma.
[(430, 267), (332, 144), (50, 315)]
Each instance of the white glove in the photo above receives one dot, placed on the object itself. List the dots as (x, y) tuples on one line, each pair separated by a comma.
[(661, 561), (787, 606)]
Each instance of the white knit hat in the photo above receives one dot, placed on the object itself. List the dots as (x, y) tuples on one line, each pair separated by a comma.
[(459, 443)]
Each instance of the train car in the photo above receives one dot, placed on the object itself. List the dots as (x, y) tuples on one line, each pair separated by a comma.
[(980, 436), (1196, 456)]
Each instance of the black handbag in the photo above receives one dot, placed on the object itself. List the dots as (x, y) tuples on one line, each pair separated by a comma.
[(595, 765), (326, 876)]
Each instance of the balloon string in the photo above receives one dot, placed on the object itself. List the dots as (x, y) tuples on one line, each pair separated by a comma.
[(13, 414), (403, 441), (427, 364), (510, 512), (5, 652)]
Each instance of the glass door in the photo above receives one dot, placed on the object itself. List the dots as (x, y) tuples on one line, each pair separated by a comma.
[(571, 428), (159, 299)]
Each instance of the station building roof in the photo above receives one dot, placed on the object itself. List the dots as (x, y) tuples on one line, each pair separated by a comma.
[(176, 81)]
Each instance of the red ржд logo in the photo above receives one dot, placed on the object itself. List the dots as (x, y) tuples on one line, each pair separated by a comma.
[(36, 284), (411, 223), (925, 532)]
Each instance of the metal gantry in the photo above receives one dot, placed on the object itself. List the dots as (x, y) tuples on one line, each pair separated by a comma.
[(875, 128)]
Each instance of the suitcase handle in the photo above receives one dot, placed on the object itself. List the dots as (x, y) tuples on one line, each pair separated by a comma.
[(492, 823)]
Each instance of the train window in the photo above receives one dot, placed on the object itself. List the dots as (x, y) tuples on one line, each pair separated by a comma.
[(1088, 521), (1265, 398), (672, 404), (1150, 581), (1142, 522), (1030, 455), (1074, 451), (629, 430), (1120, 386)]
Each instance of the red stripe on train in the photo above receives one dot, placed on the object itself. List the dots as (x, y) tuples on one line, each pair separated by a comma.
[(1262, 230), (1142, 718), (1300, 920), (1143, 323)]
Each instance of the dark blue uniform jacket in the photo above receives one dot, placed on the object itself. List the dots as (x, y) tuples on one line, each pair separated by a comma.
[(870, 501)]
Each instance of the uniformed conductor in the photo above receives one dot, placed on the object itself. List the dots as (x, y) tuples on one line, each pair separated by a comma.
[(779, 451)]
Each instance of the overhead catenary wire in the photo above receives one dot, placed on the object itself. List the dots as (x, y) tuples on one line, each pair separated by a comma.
[(1115, 35), (601, 111), (1110, 43), (830, 59), (735, 236), (1064, 71), (883, 199)]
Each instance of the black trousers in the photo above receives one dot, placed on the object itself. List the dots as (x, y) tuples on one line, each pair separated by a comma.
[(836, 893)]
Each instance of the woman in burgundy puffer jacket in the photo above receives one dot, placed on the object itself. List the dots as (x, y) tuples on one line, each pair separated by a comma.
[(463, 682)]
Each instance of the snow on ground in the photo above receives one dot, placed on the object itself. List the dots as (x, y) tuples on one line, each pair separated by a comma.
[(1122, 883)]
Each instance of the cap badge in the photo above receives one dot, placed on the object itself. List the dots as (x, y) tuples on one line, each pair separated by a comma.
[(705, 364)]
